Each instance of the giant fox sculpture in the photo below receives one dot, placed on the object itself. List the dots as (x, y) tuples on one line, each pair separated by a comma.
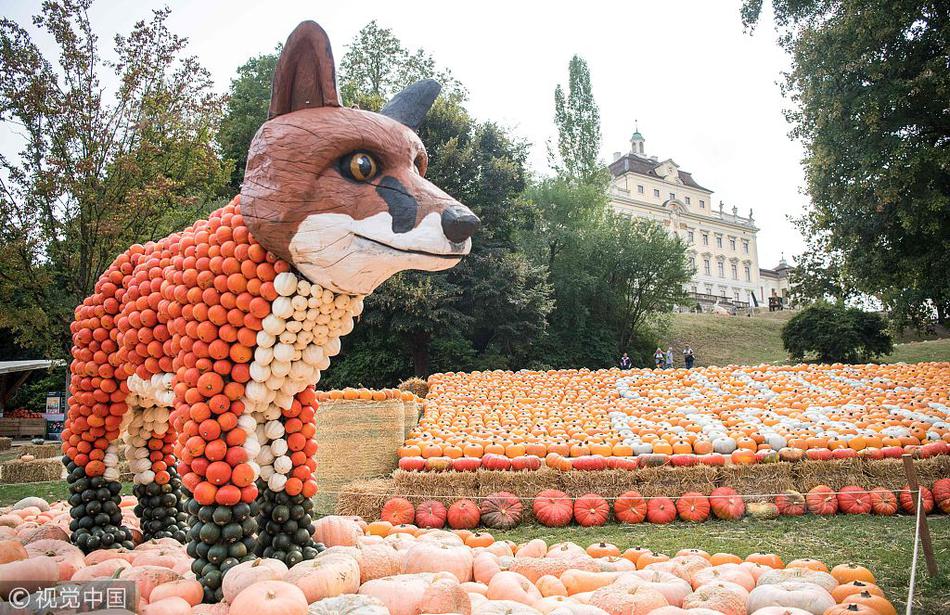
[(196, 356)]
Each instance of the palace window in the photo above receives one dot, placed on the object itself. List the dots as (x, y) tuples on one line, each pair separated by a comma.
[(702, 204), (640, 189), (732, 244), (705, 239), (689, 236), (709, 289), (745, 246), (721, 268), (735, 272), (748, 274), (656, 193), (692, 262), (672, 195), (718, 242), (687, 200), (706, 266), (735, 295)]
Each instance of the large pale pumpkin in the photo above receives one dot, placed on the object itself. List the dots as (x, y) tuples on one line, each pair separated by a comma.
[(411, 594), (349, 604), (246, 573), (513, 586), (68, 558), (270, 598), (377, 561), (334, 530), (432, 557), (31, 574), (325, 577), (673, 588), (819, 578), (628, 600), (11, 551), (504, 607), (806, 596)]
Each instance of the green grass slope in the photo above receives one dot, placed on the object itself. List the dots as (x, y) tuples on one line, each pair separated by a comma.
[(741, 340)]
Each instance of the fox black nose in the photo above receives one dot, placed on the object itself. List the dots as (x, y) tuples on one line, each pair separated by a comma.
[(459, 223)]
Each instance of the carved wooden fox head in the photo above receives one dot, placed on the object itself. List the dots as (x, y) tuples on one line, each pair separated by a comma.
[(341, 193)]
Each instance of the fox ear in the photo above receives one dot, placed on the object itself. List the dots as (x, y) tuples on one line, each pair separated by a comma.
[(410, 106), (305, 76)]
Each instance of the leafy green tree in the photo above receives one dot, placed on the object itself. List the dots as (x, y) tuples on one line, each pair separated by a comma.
[(869, 85), (98, 169), (835, 333), (577, 118), (646, 271), (248, 102)]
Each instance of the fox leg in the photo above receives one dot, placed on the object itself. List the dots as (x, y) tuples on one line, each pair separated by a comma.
[(286, 485), (148, 440)]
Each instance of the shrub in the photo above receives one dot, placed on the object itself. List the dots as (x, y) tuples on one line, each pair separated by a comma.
[(835, 333)]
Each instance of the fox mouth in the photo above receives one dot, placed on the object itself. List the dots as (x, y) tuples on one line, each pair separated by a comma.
[(453, 257)]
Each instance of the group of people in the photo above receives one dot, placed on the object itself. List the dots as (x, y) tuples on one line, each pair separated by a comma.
[(663, 360)]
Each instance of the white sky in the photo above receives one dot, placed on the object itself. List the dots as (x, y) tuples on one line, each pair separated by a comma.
[(705, 93)]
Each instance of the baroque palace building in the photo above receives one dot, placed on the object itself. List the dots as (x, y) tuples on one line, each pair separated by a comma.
[(722, 243)]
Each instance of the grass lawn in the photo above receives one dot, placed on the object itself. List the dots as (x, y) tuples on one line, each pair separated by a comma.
[(739, 340), (883, 544)]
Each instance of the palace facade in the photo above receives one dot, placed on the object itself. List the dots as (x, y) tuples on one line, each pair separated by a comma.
[(722, 243)]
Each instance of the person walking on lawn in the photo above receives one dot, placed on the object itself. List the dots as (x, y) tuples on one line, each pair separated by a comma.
[(688, 357)]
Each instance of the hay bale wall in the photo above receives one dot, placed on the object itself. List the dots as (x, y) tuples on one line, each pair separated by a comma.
[(5, 443), (359, 439), (366, 498), (37, 470), (40, 451)]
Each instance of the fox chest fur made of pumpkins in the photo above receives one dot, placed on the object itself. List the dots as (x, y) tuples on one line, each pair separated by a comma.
[(196, 357)]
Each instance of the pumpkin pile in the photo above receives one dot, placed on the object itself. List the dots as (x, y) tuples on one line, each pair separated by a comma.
[(554, 508), (737, 414), (381, 569), (196, 359), (351, 394)]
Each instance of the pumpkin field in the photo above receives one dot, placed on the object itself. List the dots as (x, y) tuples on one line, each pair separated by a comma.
[(753, 490)]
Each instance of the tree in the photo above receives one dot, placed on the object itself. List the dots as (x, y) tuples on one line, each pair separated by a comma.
[(835, 333), (97, 170), (869, 85), (248, 102), (376, 66), (646, 272), (577, 118)]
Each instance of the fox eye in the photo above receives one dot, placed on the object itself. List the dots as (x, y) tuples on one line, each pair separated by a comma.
[(359, 166)]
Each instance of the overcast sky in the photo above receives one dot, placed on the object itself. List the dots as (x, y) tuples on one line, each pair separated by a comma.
[(705, 93)]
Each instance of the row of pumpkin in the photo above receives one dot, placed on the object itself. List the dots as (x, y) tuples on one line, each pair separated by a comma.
[(372, 569), (701, 411), (553, 508), (428, 461)]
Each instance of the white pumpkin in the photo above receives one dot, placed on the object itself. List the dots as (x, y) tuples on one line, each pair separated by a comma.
[(285, 284), (806, 596)]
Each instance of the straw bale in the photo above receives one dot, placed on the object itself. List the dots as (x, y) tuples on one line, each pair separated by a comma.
[(37, 470), (759, 478), (357, 439), (835, 473), (887, 473), (40, 451), (932, 469), (5, 443), (443, 486), (608, 483), (365, 498), (523, 484)]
